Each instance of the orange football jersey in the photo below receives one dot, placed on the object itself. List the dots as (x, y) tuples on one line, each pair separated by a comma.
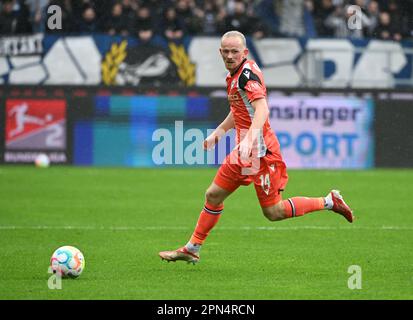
[(243, 87)]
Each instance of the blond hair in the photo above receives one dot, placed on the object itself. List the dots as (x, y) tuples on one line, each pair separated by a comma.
[(235, 33)]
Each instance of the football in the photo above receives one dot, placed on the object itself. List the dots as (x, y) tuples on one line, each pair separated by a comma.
[(42, 161), (68, 261)]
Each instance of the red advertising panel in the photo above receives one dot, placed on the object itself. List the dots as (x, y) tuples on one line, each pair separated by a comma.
[(34, 126)]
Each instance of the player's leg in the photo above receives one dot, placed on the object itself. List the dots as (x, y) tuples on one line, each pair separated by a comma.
[(293, 207), (210, 214), (226, 181), (269, 183), (299, 206)]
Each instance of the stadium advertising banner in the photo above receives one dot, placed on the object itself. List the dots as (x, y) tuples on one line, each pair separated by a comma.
[(124, 61), (34, 126), (324, 132), (142, 131), (314, 132)]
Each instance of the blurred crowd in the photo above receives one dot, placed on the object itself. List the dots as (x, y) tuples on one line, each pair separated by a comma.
[(173, 19)]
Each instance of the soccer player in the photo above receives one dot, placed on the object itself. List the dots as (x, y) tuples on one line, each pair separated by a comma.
[(256, 158)]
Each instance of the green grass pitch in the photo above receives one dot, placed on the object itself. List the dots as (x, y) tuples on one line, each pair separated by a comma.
[(121, 218)]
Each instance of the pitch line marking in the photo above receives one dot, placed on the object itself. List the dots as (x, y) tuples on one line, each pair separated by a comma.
[(159, 228)]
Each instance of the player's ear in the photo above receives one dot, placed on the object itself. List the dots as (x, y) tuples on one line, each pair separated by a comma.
[(246, 51)]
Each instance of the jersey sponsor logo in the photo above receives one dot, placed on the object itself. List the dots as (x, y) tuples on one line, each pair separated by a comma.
[(252, 86), (234, 97)]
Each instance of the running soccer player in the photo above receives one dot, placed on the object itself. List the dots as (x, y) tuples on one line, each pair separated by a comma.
[(256, 158)]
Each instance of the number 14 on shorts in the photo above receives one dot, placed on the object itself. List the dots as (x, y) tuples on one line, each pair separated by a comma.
[(265, 182)]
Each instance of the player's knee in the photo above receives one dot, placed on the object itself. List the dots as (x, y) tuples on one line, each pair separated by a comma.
[(270, 213), (212, 197), (274, 213)]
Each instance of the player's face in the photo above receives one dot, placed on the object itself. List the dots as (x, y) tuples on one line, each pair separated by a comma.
[(233, 52)]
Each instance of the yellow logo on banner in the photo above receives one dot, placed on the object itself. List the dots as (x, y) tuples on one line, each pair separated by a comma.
[(110, 65), (185, 68)]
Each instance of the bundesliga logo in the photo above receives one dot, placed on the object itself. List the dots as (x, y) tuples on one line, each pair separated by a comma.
[(35, 123)]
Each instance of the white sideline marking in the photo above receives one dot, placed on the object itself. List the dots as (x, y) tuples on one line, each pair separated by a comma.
[(157, 228)]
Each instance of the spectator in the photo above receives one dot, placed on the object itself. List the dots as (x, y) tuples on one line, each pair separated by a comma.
[(129, 8), (265, 10), (258, 28), (117, 23), (157, 9), (213, 18), (145, 36), (190, 15), (172, 28), (386, 30), (14, 17), (396, 17), (88, 22), (369, 16), (292, 21), (23, 12), (323, 9), (8, 19), (143, 21), (258, 18), (78, 6), (339, 20), (210, 11), (38, 14), (373, 14), (238, 20), (408, 12)]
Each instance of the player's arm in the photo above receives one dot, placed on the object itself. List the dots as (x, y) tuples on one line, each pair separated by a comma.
[(219, 132), (260, 116)]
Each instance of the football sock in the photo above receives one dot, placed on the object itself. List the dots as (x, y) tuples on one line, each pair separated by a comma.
[(193, 247), (208, 218), (298, 206), (328, 202)]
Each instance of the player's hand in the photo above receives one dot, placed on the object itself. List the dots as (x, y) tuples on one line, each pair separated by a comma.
[(210, 142), (245, 149)]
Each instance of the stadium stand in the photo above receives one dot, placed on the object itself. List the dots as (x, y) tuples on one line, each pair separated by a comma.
[(173, 19)]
